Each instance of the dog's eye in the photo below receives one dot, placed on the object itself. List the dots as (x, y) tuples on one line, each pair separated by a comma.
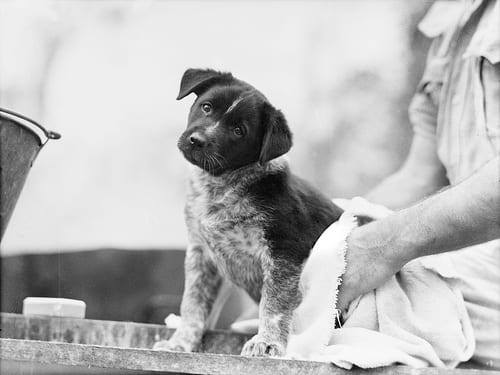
[(238, 131), (206, 107)]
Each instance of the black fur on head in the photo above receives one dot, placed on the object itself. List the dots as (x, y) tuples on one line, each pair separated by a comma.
[(198, 80), (230, 124)]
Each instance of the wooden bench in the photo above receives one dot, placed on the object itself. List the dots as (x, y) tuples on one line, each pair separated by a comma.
[(84, 343)]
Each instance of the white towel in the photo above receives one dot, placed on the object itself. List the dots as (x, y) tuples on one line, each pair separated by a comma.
[(417, 318)]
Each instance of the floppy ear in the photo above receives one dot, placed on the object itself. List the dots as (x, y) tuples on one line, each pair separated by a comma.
[(198, 80), (277, 136)]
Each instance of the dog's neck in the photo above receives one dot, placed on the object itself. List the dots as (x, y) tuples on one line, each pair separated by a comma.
[(242, 176)]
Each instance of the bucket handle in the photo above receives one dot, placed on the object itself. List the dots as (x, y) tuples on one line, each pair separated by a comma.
[(48, 133)]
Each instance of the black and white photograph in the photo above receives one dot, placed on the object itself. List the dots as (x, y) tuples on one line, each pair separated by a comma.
[(250, 187)]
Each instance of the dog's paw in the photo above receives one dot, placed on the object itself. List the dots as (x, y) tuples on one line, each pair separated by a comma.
[(258, 347), (172, 346)]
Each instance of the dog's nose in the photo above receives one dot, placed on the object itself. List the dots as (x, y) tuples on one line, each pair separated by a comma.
[(196, 139)]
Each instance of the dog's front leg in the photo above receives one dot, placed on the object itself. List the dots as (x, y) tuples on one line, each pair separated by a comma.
[(201, 287), (280, 296)]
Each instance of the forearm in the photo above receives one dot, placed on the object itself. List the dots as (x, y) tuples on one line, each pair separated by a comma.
[(400, 190), (421, 175), (460, 216)]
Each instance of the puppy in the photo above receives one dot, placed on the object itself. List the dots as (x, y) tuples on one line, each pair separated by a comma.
[(249, 219)]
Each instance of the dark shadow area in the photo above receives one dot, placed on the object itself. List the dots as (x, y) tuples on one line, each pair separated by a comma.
[(125, 285)]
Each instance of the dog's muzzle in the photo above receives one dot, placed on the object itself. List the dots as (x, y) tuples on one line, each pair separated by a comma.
[(193, 146), (198, 149)]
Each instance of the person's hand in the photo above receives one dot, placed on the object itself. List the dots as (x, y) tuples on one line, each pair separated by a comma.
[(367, 264), (367, 267)]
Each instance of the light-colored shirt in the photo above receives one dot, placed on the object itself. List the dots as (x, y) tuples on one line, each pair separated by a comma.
[(458, 99)]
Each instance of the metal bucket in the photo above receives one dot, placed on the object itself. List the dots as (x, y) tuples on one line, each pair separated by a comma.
[(20, 141)]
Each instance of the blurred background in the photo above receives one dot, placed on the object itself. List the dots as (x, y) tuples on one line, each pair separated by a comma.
[(105, 75)]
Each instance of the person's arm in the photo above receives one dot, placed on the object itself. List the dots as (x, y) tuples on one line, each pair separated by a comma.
[(421, 174), (463, 215)]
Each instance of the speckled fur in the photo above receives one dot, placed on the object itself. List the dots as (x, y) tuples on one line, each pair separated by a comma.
[(223, 221)]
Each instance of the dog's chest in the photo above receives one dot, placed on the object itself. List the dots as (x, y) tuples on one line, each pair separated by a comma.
[(231, 230)]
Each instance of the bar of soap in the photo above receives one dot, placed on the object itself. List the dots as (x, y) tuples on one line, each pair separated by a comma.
[(71, 308)]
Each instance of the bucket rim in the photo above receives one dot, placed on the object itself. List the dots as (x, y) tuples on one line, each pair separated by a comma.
[(42, 134)]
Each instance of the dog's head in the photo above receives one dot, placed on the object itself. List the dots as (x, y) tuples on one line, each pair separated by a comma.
[(230, 124)]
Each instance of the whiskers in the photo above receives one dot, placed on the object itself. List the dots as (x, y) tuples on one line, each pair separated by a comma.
[(213, 162), (219, 159)]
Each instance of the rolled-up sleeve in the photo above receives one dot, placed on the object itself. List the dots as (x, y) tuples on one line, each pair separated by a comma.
[(437, 25), (423, 115), (423, 110)]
